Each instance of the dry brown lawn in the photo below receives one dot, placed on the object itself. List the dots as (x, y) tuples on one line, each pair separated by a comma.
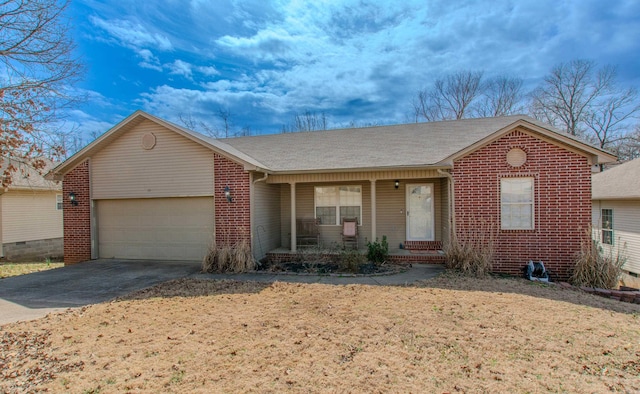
[(447, 335), (13, 269)]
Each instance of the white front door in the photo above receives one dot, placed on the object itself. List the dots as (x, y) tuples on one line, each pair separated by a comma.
[(420, 222)]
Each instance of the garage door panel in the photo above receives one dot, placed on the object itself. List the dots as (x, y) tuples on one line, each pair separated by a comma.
[(158, 229)]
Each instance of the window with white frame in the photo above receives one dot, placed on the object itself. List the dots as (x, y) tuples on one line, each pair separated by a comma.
[(332, 203), (59, 202), (516, 203), (607, 226)]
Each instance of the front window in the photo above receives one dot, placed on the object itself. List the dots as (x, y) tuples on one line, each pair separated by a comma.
[(333, 203), (516, 203), (607, 226), (59, 202)]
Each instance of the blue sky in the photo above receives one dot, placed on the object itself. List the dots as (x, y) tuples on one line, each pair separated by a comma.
[(356, 61)]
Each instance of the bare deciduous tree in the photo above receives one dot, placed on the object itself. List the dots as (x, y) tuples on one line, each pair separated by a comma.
[(197, 125), (607, 119), (226, 129), (224, 114), (306, 121), (449, 98), (501, 96), (566, 95), (39, 69)]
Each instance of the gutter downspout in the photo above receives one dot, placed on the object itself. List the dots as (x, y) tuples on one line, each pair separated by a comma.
[(264, 178), (452, 201)]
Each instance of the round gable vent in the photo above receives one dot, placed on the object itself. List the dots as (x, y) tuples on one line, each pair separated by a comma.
[(148, 141), (516, 157)]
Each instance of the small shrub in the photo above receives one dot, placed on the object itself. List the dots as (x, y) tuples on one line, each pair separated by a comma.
[(378, 252), (471, 252), (351, 260), (595, 267)]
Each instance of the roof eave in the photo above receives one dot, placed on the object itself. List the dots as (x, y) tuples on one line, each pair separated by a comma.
[(596, 156), (364, 169)]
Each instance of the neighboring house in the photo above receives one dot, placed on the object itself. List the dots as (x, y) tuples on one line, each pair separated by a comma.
[(616, 212), (31, 216), (148, 189)]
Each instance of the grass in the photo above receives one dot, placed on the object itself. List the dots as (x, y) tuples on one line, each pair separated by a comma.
[(15, 269), (448, 334)]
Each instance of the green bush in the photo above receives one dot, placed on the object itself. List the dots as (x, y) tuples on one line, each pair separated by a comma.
[(378, 251)]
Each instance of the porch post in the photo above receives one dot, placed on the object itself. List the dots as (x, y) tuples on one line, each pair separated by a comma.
[(293, 217), (373, 210)]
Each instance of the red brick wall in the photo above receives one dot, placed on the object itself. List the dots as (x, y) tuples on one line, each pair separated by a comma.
[(562, 189), (232, 218), (77, 218)]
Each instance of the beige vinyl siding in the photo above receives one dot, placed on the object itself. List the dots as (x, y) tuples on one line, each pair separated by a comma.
[(391, 218), (266, 218), (305, 208), (155, 228), (30, 216), (175, 167), (391, 212), (626, 229)]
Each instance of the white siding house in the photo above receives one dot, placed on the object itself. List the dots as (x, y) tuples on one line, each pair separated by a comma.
[(616, 212), (30, 216)]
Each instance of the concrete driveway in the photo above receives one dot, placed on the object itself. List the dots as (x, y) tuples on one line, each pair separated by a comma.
[(34, 295)]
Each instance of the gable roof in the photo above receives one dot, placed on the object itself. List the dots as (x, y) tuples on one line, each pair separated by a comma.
[(433, 144), (618, 183), (135, 119), (413, 145)]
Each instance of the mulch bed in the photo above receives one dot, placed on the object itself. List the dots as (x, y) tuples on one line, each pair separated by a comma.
[(328, 268)]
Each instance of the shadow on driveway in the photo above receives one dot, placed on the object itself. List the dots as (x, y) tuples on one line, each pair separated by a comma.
[(86, 283)]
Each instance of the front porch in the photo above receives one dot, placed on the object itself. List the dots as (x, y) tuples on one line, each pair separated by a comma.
[(412, 208), (412, 253)]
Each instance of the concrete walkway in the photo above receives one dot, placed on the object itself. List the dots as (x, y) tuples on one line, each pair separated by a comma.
[(32, 296)]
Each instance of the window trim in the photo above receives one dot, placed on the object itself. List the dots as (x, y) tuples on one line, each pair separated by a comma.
[(337, 206), (532, 224), (607, 230), (59, 202)]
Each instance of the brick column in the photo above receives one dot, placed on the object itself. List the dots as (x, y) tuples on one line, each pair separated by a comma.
[(77, 218), (232, 218)]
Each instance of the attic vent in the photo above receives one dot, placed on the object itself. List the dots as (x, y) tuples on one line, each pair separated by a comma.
[(148, 141), (516, 157)]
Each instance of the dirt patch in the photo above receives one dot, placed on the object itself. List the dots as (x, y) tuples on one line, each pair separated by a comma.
[(449, 334)]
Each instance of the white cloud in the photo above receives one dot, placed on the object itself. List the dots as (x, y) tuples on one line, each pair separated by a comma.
[(132, 35), (209, 71), (179, 67), (356, 60)]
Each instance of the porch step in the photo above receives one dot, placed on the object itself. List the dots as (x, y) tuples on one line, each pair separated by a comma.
[(423, 245), (401, 256), (418, 256)]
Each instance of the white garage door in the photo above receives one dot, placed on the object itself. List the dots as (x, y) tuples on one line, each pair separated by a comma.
[(155, 228)]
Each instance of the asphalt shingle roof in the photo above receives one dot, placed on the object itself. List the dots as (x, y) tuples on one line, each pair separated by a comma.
[(414, 144), (620, 182)]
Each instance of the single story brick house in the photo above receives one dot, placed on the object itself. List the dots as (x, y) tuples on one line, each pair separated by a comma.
[(616, 213), (30, 215), (149, 189)]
